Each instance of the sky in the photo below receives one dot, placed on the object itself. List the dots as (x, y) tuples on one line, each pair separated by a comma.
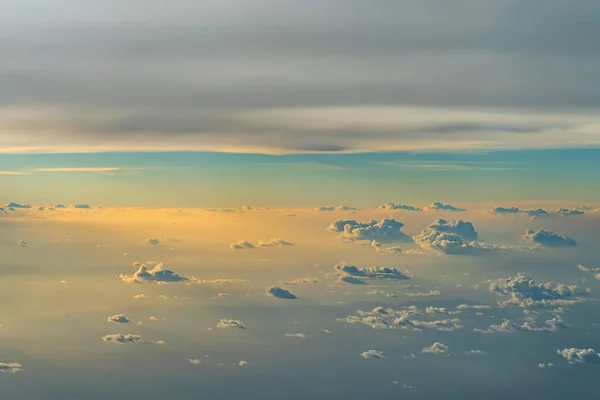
[(319, 199)]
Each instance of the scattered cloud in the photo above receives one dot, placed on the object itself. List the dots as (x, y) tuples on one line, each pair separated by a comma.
[(194, 361), (241, 245), (274, 242), (10, 368), (120, 318), (436, 348), (121, 338), (407, 318), (397, 207), (157, 274), (231, 323), (280, 293), (374, 272), (297, 335), (448, 243), (300, 281), (549, 239), (22, 243), (437, 206), (243, 363), (460, 228), (384, 230), (372, 355), (574, 355), (152, 242), (552, 325)]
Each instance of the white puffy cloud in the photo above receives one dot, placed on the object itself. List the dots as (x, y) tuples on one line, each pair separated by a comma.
[(462, 228), (194, 361), (474, 353), (139, 296), (574, 355), (157, 274), (407, 318), (505, 210), (374, 272), (373, 355), (22, 243), (385, 230), (231, 323), (243, 363), (10, 368), (549, 239), (524, 292), (279, 293), (448, 243), (396, 207), (388, 251), (436, 348), (121, 338), (12, 204), (437, 206), (120, 318)]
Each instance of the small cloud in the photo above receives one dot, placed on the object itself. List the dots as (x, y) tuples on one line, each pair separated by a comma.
[(385, 230), (300, 281), (545, 365), (194, 361), (22, 243), (474, 353), (396, 207), (120, 318), (279, 293), (374, 272), (231, 323), (298, 335), (372, 355), (10, 368), (274, 242), (243, 363), (241, 245), (12, 204), (437, 206), (436, 348), (157, 274), (139, 296), (84, 206), (121, 338), (152, 242), (424, 294)]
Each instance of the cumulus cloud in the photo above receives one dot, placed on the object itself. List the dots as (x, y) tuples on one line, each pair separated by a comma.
[(388, 251), (274, 242), (396, 207), (120, 318), (448, 243), (462, 228), (437, 206), (22, 243), (12, 204), (280, 293), (85, 206), (157, 274), (407, 318), (374, 272), (231, 323), (10, 368), (338, 208), (534, 213), (549, 239), (436, 348), (524, 292), (552, 325), (243, 363), (241, 245), (424, 294), (139, 296), (574, 355), (297, 335), (474, 353), (121, 338), (384, 230), (372, 355), (194, 361)]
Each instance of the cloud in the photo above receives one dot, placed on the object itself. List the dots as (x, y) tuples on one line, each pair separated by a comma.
[(77, 169), (84, 206), (120, 318), (384, 230), (524, 292), (437, 206), (300, 281), (152, 242), (574, 355), (274, 242), (460, 227), (373, 355), (552, 325), (503, 210), (424, 294), (280, 293), (448, 243), (231, 323), (436, 348), (396, 207), (157, 274), (12, 204), (540, 212), (194, 361), (241, 245), (374, 272), (407, 318), (10, 368), (243, 363), (386, 251), (297, 335), (474, 307), (121, 338), (338, 208), (549, 239), (139, 296), (217, 281), (474, 353), (22, 243)]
